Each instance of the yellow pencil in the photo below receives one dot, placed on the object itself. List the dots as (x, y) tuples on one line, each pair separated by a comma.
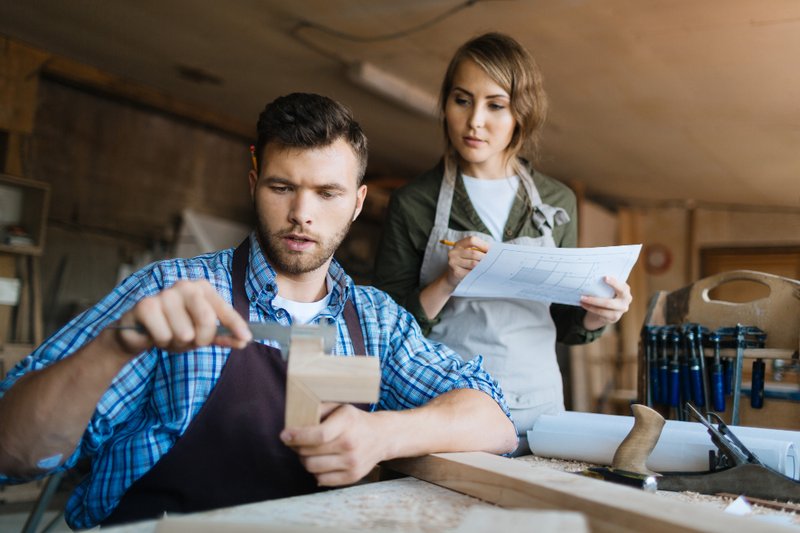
[(253, 157), (451, 243)]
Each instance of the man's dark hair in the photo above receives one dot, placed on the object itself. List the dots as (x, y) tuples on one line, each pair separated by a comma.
[(304, 120)]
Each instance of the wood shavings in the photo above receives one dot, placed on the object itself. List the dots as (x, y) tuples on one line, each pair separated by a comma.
[(717, 502)]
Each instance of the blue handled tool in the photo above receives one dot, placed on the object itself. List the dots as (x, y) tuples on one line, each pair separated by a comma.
[(717, 385), (663, 369), (695, 379), (757, 384), (674, 375)]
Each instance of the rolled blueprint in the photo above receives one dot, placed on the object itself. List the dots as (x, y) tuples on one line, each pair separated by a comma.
[(682, 447)]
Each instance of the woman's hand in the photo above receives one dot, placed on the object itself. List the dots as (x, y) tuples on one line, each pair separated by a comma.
[(462, 258), (603, 311)]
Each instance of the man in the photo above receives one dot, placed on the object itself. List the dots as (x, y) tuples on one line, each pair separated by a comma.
[(179, 419)]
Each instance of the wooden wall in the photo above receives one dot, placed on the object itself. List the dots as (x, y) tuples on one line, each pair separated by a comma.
[(120, 175)]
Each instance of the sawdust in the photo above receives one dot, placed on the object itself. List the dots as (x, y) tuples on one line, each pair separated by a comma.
[(400, 505)]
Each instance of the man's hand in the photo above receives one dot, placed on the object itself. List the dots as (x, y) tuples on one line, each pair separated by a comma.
[(604, 311), (182, 318), (343, 448), (44, 415)]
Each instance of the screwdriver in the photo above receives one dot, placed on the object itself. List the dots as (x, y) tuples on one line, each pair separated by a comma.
[(674, 376), (717, 387), (663, 369), (652, 360), (686, 379), (694, 372), (757, 384)]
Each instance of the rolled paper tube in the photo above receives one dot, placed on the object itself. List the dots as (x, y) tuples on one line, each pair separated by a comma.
[(682, 447)]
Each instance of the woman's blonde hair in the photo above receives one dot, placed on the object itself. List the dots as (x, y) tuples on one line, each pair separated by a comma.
[(511, 67)]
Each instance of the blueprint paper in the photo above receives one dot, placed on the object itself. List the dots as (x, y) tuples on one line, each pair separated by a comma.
[(559, 275)]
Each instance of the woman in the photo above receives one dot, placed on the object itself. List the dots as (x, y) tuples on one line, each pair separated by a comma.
[(493, 106)]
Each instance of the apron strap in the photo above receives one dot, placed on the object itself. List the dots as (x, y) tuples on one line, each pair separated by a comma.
[(239, 279), (354, 328)]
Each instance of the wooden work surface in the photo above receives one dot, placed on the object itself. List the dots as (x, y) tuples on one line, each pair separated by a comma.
[(406, 504)]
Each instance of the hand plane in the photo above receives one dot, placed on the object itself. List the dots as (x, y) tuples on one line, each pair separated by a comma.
[(733, 468)]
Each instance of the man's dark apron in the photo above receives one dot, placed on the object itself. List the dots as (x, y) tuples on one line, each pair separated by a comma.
[(231, 452)]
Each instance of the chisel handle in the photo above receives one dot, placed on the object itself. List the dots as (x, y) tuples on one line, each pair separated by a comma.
[(697, 384), (717, 388), (674, 385), (686, 381), (757, 384), (727, 380), (663, 384)]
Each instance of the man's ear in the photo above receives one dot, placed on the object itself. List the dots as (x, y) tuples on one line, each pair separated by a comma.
[(252, 176), (361, 194)]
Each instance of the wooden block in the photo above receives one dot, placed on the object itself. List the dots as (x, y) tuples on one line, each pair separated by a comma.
[(777, 314), (314, 377), (607, 506)]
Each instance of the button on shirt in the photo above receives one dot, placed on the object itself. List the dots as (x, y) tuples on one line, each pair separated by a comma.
[(152, 400)]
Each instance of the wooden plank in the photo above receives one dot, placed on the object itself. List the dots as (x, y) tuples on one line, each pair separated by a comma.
[(476, 520), (608, 507)]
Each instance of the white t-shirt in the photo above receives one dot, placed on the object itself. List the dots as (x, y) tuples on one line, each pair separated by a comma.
[(303, 312), (492, 200)]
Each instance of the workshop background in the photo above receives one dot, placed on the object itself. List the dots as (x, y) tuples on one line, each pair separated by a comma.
[(126, 125)]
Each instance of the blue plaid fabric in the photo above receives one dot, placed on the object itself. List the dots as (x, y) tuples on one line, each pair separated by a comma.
[(153, 399)]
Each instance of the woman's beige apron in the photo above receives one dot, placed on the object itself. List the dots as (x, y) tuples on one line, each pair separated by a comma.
[(516, 337)]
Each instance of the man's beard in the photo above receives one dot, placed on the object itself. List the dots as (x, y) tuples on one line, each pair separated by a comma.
[(289, 262)]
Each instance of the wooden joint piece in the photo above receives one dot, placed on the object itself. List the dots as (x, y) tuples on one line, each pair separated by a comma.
[(314, 377)]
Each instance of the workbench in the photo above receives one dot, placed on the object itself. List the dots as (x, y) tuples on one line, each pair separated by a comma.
[(412, 505)]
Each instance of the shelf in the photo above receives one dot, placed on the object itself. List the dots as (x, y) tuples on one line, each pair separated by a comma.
[(755, 353)]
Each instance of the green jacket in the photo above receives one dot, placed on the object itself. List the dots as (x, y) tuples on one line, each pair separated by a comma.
[(409, 222)]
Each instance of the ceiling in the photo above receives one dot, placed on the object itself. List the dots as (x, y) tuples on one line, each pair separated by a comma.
[(652, 101)]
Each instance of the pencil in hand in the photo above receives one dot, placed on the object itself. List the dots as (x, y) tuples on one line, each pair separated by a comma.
[(451, 244)]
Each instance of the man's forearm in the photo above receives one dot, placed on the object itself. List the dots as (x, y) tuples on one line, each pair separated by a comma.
[(44, 415), (459, 420)]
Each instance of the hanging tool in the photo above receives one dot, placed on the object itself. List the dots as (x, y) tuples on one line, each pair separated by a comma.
[(674, 376), (651, 361), (757, 384), (717, 385), (695, 378), (663, 368), (686, 379), (740, 338), (700, 333)]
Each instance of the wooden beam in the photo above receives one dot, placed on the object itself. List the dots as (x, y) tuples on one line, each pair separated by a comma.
[(19, 82), (314, 377), (87, 76), (607, 506)]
